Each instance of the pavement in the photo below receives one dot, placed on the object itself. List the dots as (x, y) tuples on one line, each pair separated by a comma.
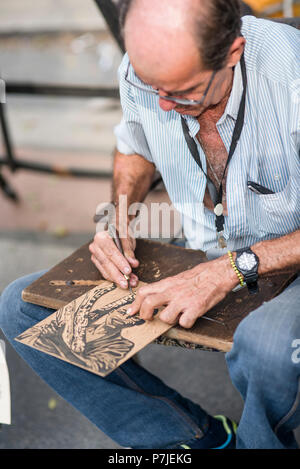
[(66, 42)]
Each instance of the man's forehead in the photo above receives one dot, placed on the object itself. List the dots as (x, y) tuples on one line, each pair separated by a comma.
[(171, 80), (166, 69), (163, 61)]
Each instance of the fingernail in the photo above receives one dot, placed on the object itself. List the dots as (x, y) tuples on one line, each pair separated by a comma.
[(124, 284), (129, 311), (127, 270)]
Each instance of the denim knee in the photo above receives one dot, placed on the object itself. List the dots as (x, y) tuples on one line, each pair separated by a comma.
[(14, 312), (263, 344)]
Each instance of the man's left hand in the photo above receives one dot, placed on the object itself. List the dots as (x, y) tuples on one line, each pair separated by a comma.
[(188, 295)]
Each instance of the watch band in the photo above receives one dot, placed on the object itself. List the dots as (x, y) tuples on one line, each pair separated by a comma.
[(252, 283)]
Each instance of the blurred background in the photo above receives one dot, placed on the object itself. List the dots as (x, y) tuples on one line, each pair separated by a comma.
[(45, 216), (65, 43)]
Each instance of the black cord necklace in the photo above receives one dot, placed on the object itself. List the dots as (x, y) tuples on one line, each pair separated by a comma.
[(217, 194)]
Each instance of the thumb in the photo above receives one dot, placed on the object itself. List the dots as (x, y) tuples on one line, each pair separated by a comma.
[(129, 245)]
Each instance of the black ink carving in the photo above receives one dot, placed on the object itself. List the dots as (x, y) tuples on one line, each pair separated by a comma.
[(91, 338)]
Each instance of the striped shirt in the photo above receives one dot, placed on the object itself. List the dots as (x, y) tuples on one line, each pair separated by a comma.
[(267, 153)]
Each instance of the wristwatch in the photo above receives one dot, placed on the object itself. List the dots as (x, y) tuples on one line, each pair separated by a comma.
[(247, 264)]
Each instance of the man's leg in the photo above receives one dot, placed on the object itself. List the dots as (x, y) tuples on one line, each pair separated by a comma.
[(133, 407), (264, 365)]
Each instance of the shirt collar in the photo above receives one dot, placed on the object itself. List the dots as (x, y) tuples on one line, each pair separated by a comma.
[(235, 97)]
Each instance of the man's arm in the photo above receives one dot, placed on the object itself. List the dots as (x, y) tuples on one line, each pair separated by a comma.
[(189, 295), (132, 177), (278, 254)]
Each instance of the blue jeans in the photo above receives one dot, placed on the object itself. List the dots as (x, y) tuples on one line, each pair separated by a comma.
[(136, 409)]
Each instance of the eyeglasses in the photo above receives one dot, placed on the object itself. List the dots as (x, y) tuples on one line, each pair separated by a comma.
[(184, 102)]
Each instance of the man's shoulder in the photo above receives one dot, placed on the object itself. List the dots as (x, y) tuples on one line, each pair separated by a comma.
[(260, 32), (272, 48)]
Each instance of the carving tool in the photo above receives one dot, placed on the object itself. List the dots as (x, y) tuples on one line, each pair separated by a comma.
[(69, 283), (114, 234), (213, 320)]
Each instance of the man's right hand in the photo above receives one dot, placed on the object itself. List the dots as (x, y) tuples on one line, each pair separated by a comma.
[(110, 262), (133, 176)]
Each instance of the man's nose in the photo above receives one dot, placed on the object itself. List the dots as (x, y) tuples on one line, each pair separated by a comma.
[(166, 105)]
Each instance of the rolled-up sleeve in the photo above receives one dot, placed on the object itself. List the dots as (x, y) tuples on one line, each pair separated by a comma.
[(130, 136)]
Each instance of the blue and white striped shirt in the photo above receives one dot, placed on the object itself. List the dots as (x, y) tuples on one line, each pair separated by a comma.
[(267, 153)]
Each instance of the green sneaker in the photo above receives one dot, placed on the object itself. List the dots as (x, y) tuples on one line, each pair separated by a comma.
[(220, 435)]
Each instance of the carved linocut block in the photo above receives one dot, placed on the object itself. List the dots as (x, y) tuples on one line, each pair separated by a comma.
[(94, 331)]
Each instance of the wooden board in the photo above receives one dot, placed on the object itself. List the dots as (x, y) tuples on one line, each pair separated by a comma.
[(94, 331), (60, 285), (157, 261)]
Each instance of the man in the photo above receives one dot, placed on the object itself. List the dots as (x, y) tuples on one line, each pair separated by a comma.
[(191, 81)]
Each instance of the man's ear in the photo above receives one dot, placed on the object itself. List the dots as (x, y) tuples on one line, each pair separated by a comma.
[(235, 52)]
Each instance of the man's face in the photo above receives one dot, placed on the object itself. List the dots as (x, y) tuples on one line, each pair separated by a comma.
[(175, 69), (205, 87)]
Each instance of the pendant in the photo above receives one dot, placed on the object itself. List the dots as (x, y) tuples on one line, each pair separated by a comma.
[(221, 240), (218, 210)]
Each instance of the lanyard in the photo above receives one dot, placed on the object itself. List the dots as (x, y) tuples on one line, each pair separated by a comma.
[(217, 194)]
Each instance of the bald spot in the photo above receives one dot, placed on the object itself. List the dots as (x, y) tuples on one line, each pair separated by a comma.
[(160, 42)]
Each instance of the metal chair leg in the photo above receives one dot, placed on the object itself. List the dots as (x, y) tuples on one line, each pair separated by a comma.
[(8, 190)]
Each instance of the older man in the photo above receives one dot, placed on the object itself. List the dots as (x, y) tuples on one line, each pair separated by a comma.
[(213, 104)]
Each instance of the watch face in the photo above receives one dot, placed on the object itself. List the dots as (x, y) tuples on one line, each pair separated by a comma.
[(246, 261)]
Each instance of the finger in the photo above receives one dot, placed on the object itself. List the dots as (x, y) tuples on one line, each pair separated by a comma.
[(170, 314), (111, 272), (150, 304), (188, 319), (144, 292), (104, 242), (128, 250), (100, 268), (136, 305), (134, 280), (109, 253), (128, 242), (159, 287)]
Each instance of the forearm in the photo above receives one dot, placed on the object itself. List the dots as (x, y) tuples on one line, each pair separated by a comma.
[(278, 254), (132, 176)]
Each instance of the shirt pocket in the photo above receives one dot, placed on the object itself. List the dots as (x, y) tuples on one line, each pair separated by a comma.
[(274, 214)]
